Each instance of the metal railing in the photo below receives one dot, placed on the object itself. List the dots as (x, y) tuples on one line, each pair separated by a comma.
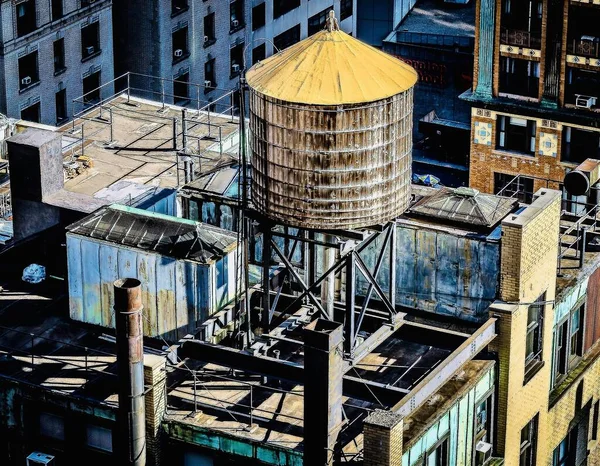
[(574, 238), (585, 48), (520, 38)]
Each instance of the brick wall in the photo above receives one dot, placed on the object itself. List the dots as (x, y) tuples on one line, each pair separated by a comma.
[(528, 268), (383, 439), (155, 380)]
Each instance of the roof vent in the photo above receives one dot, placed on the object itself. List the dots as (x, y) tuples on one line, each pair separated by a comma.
[(466, 192)]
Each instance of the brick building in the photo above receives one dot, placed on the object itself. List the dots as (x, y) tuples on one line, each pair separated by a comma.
[(535, 93), (208, 43), (50, 53)]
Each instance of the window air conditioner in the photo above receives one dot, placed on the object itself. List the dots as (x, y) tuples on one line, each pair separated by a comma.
[(207, 83), (90, 50), (26, 81), (235, 68), (205, 39), (483, 453), (585, 101), (235, 23), (178, 53), (40, 459)]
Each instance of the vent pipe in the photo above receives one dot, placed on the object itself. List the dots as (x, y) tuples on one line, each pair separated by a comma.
[(130, 360)]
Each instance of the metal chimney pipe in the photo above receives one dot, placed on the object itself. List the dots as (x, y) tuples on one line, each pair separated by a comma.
[(130, 360)]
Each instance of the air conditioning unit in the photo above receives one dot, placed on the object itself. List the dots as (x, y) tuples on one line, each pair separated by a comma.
[(26, 81), (235, 23), (207, 83), (178, 53), (205, 39), (90, 50), (40, 459), (585, 101), (235, 68), (483, 452)]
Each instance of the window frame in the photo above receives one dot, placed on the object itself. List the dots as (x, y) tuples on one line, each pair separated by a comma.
[(35, 79), (444, 458), (97, 45), (534, 329), (507, 132), (528, 444)]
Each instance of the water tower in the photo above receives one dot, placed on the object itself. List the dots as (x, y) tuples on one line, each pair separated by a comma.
[(331, 133)]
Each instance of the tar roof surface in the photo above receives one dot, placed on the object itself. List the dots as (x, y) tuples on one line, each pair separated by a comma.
[(162, 234), (435, 17)]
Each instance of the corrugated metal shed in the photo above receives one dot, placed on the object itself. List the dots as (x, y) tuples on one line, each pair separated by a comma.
[(330, 68), (187, 269)]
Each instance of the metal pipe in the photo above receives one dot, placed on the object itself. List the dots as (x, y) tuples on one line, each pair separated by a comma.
[(130, 362)]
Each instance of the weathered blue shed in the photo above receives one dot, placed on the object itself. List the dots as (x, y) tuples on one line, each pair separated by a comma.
[(187, 269)]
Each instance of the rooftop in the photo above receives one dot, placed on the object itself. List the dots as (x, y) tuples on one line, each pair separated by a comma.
[(163, 234)]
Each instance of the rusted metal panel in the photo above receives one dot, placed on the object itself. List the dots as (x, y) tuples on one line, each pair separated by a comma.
[(177, 294), (331, 167)]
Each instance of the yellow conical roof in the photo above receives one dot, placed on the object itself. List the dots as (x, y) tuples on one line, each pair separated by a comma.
[(331, 68)]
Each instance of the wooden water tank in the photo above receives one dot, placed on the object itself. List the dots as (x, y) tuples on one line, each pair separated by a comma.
[(331, 134)]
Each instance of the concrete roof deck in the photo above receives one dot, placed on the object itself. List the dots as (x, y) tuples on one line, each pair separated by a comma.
[(142, 148)]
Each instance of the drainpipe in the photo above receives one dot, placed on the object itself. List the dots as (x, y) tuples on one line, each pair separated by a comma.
[(130, 361)]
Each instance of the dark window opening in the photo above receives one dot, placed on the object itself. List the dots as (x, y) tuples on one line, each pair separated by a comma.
[(31, 113), (317, 22), (287, 38), (560, 351), (529, 443), (181, 89), (90, 40), (236, 59), (178, 6), (534, 334), (516, 134), (180, 44), (281, 7), (582, 88), (91, 88), (210, 81), (28, 70), (209, 30), (483, 420), (561, 455), (59, 56), (99, 438), (57, 9), (259, 53), (595, 420), (579, 144), (521, 23), (520, 187), (236, 13), (258, 16), (52, 426), (519, 77), (345, 9), (583, 35), (26, 17), (438, 455), (61, 105)]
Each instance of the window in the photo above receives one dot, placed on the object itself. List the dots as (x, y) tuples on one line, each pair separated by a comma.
[(483, 420), (519, 187), (258, 16), (595, 420), (59, 56), (519, 77), (281, 7), (209, 30), (317, 22), (582, 88), (236, 13), (99, 438), (52, 426), (178, 6), (560, 456), (210, 81), (516, 134), (287, 38), (568, 343), (90, 40), (529, 443), (576, 332), (533, 339), (61, 105), (31, 113), (521, 22), (57, 9), (259, 53), (26, 17), (180, 45), (345, 9), (28, 70), (181, 89), (236, 60), (438, 455), (91, 88), (561, 347), (579, 144), (193, 458)]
